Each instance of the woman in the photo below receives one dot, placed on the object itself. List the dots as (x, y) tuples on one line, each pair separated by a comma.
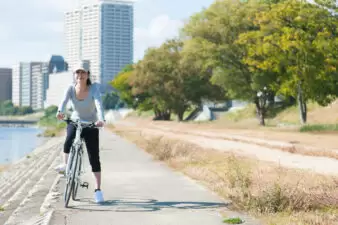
[(87, 106)]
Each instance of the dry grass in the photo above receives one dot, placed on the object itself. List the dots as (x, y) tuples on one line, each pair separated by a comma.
[(274, 194), (291, 149)]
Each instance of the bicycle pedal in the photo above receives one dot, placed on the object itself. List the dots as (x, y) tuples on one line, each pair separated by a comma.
[(85, 185)]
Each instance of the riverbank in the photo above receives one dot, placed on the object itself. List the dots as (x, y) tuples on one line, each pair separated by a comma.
[(25, 183)]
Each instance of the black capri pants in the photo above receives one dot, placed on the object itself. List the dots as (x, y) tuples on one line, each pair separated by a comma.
[(91, 138)]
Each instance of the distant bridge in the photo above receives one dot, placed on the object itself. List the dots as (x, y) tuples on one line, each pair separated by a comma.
[(14, 121)]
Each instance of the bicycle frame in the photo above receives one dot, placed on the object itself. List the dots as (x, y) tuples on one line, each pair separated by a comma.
[(77, 144), (73, 178)]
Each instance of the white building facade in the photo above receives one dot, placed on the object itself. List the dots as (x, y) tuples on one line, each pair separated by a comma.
[(59, 83), (72, 28)]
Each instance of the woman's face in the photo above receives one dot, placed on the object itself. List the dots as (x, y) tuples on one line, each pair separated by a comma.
[(81, 76)]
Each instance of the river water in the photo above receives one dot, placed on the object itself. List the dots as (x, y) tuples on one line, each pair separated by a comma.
[(17, 142)]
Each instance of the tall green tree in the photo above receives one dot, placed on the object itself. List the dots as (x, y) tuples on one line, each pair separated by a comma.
[(217, 29), (157, 76), (173, 81), (296, 43)]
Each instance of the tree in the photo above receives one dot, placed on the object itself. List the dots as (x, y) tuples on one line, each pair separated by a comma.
[(293, 44), (158, 77), (110, 100), (217, 29), (51, 111), (122, 84), (7, 108), (198, 71), (171, 80)]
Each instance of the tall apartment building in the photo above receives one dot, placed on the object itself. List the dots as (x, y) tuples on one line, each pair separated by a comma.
[(5, 84), (57, 64), (73, 37), (38, 85), (17, 84), (26, 86), (102, 32)]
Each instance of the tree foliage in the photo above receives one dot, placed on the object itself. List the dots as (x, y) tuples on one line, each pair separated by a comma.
[(8, 109), (110, 101), (245, 50), (295, 41), (217, 29), (122, 85)]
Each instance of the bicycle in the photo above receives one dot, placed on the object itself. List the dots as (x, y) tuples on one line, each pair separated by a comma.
[(74, 168)]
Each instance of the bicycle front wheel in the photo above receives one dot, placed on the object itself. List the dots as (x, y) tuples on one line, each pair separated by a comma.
[(70, 177), (78, 173)]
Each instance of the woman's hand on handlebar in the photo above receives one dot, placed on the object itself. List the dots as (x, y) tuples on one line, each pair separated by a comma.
[(99, 123), (60, 116)]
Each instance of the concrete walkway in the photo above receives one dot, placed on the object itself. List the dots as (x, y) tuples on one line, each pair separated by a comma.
[(140, 191)]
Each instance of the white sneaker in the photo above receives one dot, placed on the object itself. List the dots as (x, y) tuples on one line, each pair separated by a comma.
[(98, 196), (61, 168)]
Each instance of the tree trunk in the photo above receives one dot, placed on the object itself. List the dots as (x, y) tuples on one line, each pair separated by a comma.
[(162, 115), (180, 116), (260, 113), (166, 115), (302, 105), (303, 111)]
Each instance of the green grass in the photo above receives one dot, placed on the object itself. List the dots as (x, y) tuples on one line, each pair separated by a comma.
[(142, 114), (233, 221), (52, 126), (2, 209), (53, 131), (319, 127), (246, 113)]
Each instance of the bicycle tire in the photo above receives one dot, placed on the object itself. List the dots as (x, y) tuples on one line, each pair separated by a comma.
[(70, 162), (70, 184), (76, 185)]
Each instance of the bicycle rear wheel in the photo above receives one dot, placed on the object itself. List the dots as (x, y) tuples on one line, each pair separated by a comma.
[(78, 173), (70, 177)]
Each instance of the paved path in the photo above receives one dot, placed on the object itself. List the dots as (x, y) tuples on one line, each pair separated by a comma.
[(140, 191)]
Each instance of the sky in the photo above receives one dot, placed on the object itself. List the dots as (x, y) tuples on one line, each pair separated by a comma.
[(33, 30)]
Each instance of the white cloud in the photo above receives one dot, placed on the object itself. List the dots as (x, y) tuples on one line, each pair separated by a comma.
[(159, 30)]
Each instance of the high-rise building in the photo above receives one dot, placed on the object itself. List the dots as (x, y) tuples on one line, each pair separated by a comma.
[(73, 37), (17, 84), (26, 87), (22, 87), (38, 85), (102, 32), (57, 64), (5, 84)]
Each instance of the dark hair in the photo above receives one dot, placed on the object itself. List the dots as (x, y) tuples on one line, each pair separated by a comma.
[(89, 82)]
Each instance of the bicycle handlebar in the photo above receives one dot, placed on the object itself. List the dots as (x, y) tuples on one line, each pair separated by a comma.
[(80, 122)]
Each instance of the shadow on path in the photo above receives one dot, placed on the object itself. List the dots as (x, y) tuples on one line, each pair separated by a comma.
[(142, 205)]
